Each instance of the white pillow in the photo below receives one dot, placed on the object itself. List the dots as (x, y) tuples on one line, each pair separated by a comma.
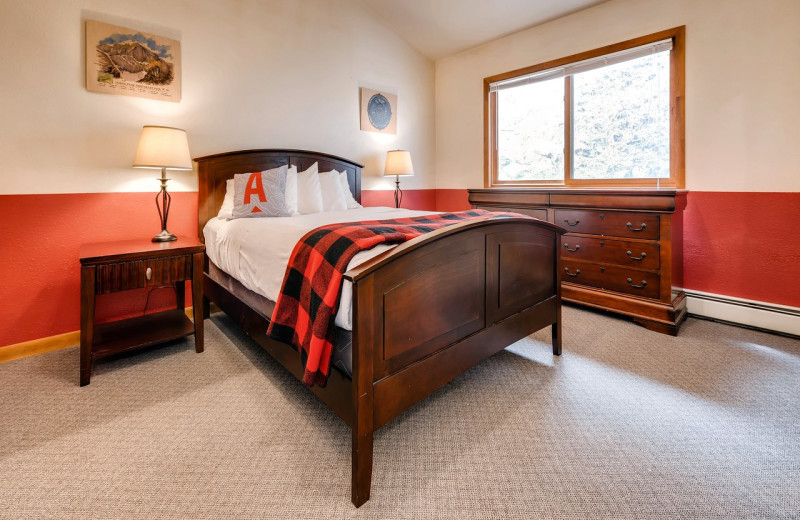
[(291, 190), (332, 196), (309, 193), (226, 211), (348, 196)]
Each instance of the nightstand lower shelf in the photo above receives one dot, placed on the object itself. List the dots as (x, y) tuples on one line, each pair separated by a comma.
[(140, 332)]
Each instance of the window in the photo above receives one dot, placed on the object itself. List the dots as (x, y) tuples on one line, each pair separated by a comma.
[(611, 116)]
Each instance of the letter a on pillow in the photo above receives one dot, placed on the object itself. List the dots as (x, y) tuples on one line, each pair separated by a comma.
[(254, 187), (260, 194)]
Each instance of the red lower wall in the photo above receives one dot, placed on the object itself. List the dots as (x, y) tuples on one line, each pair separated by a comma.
[(434, 200), (745, 245), (737, 244), (452, 200), (40, 236), (412, 199)]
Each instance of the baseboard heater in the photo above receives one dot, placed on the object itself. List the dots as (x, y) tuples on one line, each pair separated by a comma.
[(753, 314)]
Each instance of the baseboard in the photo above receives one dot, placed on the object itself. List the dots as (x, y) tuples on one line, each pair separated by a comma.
[(39, 346), (749, 313), (48, 344)]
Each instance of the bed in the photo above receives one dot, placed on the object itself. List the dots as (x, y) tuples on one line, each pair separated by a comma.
[(423, 312)]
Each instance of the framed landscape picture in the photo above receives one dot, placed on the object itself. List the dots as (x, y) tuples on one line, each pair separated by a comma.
[(378, 111), (128, 62)]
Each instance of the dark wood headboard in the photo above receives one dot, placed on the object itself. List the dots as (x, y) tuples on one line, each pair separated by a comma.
[(214, 170)]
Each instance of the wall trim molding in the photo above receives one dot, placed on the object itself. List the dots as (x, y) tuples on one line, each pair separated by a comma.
[(769, 317), (40, 346), (50, 343)]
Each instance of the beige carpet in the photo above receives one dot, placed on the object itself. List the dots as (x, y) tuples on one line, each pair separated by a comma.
[(626, 424)]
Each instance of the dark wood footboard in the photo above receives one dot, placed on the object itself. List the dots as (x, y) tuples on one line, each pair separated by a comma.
[(436, 306)]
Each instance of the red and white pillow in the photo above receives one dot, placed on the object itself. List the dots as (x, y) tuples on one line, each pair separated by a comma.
[(260, 194)]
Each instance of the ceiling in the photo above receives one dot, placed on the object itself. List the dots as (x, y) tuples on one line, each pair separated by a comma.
[(440, 28)]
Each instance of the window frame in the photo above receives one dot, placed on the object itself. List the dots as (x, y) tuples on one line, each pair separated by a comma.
[(677, 138)]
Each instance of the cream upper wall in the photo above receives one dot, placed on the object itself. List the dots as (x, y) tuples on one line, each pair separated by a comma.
[(256, 74), (742, 77)]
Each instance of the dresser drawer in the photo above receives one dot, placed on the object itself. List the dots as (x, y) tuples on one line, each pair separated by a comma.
[(541, 214), (612, 278), (629, 253), (142, 273), (609, 223)]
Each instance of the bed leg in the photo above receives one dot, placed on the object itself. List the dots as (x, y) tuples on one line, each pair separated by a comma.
[(362, 466), (556, 330)]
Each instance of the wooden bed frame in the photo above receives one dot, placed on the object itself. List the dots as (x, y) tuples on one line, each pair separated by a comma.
[(423, 312)]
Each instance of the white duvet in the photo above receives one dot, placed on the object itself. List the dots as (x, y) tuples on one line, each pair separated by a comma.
[(256, 251)]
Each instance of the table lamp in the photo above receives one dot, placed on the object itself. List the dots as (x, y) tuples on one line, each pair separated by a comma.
[(163, 147), (398, 162)]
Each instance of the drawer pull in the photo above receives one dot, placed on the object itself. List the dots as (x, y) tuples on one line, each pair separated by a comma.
[(148, 273), (576, 273), (567, 222), (630, 226), (566, 246), (644, 284), (630, 255)]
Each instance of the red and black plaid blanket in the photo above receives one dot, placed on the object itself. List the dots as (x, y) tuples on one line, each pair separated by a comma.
[(308, 301)]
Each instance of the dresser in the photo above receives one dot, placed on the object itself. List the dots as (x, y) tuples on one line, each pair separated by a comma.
[(623, 250)]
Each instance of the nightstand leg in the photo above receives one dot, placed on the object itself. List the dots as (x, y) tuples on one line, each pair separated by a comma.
[(87, 322), (206, 307), (197, 301)]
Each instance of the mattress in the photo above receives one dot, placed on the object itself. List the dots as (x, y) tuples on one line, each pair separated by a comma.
[(253, 253)]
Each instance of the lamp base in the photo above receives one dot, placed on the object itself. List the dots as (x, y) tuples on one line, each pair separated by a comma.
[(164, 236), (163, 210), (398, 193)]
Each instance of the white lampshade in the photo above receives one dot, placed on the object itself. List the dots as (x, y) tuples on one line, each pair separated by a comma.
[(163, 147), (398, 162)]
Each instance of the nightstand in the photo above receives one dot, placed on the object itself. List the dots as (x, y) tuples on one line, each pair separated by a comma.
[(134, 264)]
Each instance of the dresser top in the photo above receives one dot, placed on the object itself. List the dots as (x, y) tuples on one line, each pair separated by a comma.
[(664, 192), (615, 199)]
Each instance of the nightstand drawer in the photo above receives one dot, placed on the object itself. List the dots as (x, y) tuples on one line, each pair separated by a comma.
[(609, 223), (629, 281), (629, 253), (142, 273)]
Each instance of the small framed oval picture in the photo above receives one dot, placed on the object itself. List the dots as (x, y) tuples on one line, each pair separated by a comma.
[(378, 111)]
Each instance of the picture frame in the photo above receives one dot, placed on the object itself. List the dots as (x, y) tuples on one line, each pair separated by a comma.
[(128, 62), (378, 111)]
